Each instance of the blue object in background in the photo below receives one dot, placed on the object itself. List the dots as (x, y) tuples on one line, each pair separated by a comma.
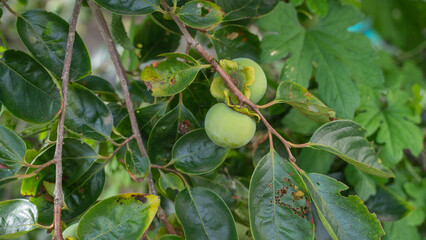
[(365, 27)]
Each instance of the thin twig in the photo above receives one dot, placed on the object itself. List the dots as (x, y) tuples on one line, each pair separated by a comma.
[(228, 80), (121, 72), (60, 131)]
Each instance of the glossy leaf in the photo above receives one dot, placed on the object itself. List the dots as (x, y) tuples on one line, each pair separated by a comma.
[(26, 88), (170, 185), (343, 217), (195, 153), (137, 166), (204, 215), (167, 131), (100, 86), (125, 216), (17, 217), (387, 205), (171, 76), (87, 114), (240, 9), (153, 40), (233, 41), (45, 36), (129, 7), (12, 152), (200, 14), (278, 203), (220, 184), (146, 118), (306, 103), (338, 55), (77, 158), (346, 139)]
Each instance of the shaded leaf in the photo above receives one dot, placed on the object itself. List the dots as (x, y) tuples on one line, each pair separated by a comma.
[(167, 131), (26, 88), (171, 76), (364, 184), (100, 86), (240, 9), (343, 217), (170, 185), (220, 184), (125, 216), (278, 205), (200, 14), (306, 103), (312, 160), (346, 139), (87, 114), (17, 217), (233, 41), (171, 237), (12, 152), (129, 7), (204, 215), (195, 153), (45, 36), (137, 166)]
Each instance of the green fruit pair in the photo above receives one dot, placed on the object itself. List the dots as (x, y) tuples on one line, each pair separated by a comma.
[(224, 126)]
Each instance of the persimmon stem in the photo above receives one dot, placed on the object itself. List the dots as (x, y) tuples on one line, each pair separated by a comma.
[(228, 80), (268, 104), (121, 72)]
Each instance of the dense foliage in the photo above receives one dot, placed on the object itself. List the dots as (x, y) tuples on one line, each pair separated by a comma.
[(333, 150)]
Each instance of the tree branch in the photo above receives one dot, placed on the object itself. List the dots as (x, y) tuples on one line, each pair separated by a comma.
[(121, 72), (228, 80), (60, 131)]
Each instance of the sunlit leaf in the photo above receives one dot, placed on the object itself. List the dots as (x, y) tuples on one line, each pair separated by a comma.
[(17, 217)]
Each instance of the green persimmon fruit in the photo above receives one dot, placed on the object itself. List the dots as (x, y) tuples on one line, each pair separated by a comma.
[(258, 88), (228, 128)]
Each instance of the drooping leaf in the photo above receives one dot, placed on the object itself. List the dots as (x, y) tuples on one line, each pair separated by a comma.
[(130, 7), (204, 215), (195, 153), (45, 36), (167, 131), (387, 205), (125, 216), (87, 114), (77, 158), (278, 203), (233, 41), (200, 14), (137, 166), (343, 217), (12, 152), (346, 139), (153, 40), (171, 76), (17, 217), (302, 100), (26, 88), (337, 54), (240, 9), (119, 33)]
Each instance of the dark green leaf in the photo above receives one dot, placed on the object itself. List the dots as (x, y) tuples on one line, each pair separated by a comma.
[(137, 166), (146, 118), (364, 184), (77, 158), (153, 40), (166, 131), (87, 114), (220, 184), (45, 36), (118, 112), (12, 152), (278, 205), (346, 139), (338, 54), (171, 76), (100, 86), (343, 217), (171, 237), (200, 14), (119, 33), (387, 205), (130, 7), (26, 88), (204, 215), (198, 99), (233, 41), (306, 103), (170, 185), (195, 153), (312, 160), (240, 9), (124, 216), (139, 93), (17, 217)]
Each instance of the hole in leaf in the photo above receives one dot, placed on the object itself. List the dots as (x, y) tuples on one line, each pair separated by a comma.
[(204, 11)]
